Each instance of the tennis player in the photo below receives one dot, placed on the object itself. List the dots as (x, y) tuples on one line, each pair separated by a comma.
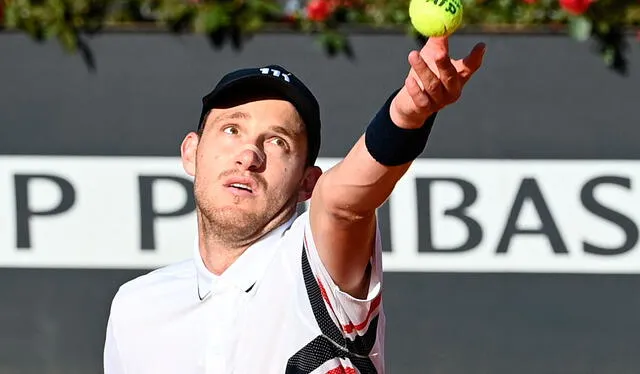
[(268, 291)]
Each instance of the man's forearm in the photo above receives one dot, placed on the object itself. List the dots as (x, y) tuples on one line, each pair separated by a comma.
[(363, 181), (356, 186)]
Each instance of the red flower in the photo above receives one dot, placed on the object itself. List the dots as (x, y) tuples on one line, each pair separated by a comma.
[(318, 10), (530, 1), (576, 7)]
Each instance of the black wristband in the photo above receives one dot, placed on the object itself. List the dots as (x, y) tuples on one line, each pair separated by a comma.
[(391, 145)]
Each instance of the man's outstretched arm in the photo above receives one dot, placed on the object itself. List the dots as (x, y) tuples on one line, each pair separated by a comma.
[(345, 199)]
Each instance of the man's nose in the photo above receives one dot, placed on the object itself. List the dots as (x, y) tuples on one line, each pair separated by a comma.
[(250, 157)]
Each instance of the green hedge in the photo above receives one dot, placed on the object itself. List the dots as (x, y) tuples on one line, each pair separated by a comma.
[(607, 23)]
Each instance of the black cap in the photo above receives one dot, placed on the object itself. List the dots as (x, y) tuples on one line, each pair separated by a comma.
[(276, 81)]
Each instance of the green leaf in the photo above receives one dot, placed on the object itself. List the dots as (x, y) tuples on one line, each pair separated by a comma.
[(68, 39), (253, 24), (53, 30), (211, 19), (11, 16), (604, 27), (609, 55), (580, 28)]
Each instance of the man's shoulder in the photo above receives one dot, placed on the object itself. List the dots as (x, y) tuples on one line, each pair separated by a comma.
[(169, 273), (293, 237), (299, 225), (156, 283)]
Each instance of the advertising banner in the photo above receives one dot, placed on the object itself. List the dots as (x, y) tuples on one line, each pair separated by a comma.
[(444, 215)]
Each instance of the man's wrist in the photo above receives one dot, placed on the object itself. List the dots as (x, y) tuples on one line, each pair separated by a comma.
[(408, 122), (392, 145)]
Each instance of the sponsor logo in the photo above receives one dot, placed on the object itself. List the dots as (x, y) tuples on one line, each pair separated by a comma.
[(444, 215)]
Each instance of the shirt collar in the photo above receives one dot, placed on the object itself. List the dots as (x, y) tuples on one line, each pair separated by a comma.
[(247, 269)]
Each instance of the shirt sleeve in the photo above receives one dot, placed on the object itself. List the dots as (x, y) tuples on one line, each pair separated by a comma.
[(112, 361), (352, 315)]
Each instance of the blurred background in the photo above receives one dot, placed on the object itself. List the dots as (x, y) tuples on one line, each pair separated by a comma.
[(511, 245)]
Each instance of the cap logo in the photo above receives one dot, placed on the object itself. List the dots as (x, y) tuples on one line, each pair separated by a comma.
[(276, 73)]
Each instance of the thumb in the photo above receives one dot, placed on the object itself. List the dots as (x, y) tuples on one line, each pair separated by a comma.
[(470, 64)]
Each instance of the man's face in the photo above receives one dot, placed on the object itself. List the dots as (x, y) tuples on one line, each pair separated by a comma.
[(249, 167)]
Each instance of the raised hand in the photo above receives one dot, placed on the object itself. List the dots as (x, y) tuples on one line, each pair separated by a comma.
[(434, 81)]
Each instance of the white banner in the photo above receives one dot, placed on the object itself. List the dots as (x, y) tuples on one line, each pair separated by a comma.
[(444, 215)]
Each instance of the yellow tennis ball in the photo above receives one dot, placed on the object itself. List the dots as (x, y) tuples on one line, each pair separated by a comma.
[(435, 17)]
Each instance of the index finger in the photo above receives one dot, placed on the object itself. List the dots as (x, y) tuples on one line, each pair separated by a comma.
[(438, 45), (427, 78), (447, 72)]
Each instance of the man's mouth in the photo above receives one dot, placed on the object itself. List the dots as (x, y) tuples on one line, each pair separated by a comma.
[(241, 186)]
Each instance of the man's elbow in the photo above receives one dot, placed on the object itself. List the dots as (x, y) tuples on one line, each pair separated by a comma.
[(346, 205)]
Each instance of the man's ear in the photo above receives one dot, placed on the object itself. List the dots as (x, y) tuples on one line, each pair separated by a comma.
[(311, 176), (188, 152)]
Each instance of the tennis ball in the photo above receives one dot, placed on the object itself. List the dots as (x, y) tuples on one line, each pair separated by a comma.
[(435, 17)]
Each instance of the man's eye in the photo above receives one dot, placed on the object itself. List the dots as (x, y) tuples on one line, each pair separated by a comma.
[(231, 130), (279, 142)]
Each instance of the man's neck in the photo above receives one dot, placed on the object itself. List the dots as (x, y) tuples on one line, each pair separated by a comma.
[(219, 255), (217, 258)]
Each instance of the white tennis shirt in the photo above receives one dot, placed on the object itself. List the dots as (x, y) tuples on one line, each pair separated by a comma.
[(274, 311)]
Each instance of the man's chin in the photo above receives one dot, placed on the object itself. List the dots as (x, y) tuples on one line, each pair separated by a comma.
[(235, 212), (234, 223), (237, 206)]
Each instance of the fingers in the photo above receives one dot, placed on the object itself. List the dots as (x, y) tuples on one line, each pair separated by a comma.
[(430, 82), (470, 64), (435, 79), (437, 50), (448, 74), (437, 44), (419, 97)]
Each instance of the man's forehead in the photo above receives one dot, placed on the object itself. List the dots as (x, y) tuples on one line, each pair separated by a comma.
[(267, 108)]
